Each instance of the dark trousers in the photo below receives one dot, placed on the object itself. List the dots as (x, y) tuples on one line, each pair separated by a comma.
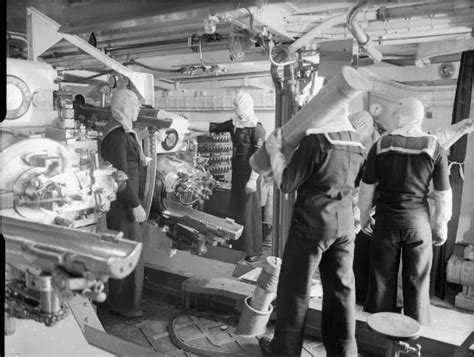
[(361, 266), (245, 210), (414, 248), (300, 260), (125, 295)]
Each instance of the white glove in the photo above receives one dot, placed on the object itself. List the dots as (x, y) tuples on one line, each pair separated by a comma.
[(367, 228), (465, 126), (443, 211), (139, 213), (278, 162), (251, 186), (146, 160), (161, 135), (356, 213), (440, 234), (450, 135), (366, 197), (273, 143)]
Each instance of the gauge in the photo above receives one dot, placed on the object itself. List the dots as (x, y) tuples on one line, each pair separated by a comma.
[(112, 81), (118, 81), (18, 97), (376, 109), (171, 140), (446, 70)]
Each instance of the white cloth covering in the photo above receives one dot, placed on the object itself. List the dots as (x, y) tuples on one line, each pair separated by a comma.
[(125, 107), (409, 112), (244, 109), (278, 162), (338, 122), (363, 123)]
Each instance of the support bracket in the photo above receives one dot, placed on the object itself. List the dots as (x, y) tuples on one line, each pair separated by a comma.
[(43, 32)]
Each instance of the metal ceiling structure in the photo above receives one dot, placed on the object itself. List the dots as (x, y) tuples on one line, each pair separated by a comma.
[(168, 39)]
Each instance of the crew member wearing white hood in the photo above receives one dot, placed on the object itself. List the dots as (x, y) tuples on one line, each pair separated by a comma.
[(363, 123), (324, 169), (120, 147), (247, 135), (401, 165)]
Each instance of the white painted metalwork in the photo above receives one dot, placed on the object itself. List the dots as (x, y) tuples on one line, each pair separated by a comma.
[(43, 32)]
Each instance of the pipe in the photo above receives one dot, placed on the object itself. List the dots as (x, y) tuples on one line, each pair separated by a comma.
[(285, 107), (78, 79), (19, 36), (384, 13), (311, 34), (273, 62), (13, 35), (353, 26), (360, 36), (381, 14), (133, 62)]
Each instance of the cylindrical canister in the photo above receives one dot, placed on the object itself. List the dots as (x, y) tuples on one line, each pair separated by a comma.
[(267, 284), (257, 307), (460, 271), (253, 322)]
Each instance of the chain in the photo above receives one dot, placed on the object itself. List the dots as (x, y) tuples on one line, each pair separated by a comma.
[(20, 306), (152, 140)]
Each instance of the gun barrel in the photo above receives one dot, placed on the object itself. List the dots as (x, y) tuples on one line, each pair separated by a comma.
[(218, 226), (78, 252)]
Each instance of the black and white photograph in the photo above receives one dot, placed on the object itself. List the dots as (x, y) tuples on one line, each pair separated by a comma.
[(238, 178)]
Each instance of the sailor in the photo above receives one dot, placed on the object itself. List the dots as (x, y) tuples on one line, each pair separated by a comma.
[(119, 146), (247, 135), (324, 170), (401, 165), (363, 123)]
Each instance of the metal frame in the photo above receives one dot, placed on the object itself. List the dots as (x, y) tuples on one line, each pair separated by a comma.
[(43, 33)]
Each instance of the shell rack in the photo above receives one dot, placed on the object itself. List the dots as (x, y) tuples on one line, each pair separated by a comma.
[(217, 148)]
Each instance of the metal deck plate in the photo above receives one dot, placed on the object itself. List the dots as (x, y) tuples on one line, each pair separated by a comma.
[(211, 335), (206, 333)]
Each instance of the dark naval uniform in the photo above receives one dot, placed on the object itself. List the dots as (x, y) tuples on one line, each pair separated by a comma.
[(403, 167), (244, 208), (324, 170), (122, 151)]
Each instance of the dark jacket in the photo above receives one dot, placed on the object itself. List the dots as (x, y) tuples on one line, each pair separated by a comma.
[(122, 151), (324, 172), (403, 168)]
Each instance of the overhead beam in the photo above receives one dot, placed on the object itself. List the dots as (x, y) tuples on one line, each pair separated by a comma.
[(165, 85), (162, 60), (273, 17), (427, 50), (119, 14), (216, 83), (410, 74), (136, 20)]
